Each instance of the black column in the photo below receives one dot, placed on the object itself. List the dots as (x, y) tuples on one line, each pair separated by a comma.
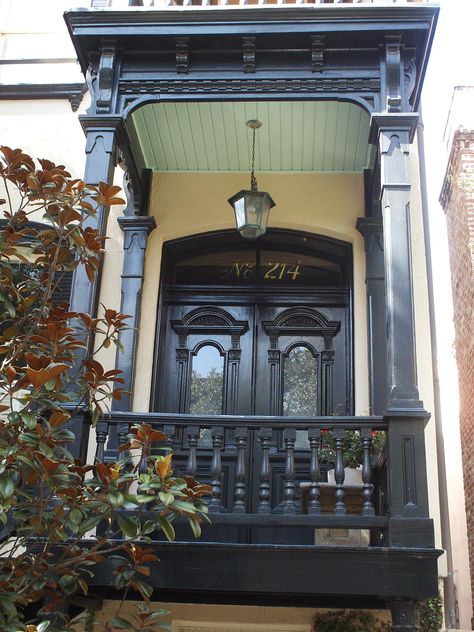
[(101, 149), (394, 133), (136, 230), (409, 523), (372, 231)]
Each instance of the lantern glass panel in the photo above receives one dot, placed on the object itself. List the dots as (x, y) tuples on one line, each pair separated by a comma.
[(251, 212)]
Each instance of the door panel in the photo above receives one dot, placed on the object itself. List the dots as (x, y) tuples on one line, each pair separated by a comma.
[(190, 331)]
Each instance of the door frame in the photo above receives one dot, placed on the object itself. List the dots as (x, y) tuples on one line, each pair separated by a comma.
[(277, 239)]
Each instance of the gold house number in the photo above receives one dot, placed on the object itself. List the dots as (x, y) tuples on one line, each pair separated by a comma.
[(275, 271)]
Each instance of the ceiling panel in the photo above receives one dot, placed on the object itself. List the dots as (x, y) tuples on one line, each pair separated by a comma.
[(295, 136)]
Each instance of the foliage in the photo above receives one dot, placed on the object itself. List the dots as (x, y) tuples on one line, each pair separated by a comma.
[(352, 621), (50, 504), (352, 452), (300, 383), (206, 392), (431, 615)]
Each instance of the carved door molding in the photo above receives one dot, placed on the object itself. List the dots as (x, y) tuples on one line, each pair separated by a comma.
[(306, 323), (208, 321)]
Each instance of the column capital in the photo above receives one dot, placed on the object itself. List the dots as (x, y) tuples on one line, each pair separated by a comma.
[(114, 122), (405, 121), (368, 226), (145, 223)]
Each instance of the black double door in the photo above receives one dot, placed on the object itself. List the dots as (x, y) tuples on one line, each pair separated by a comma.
[(258, 354)]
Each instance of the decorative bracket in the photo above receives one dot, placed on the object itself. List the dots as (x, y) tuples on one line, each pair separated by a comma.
[(248, 57), (106, 78), (182, 55), (393, 73), (317, 53)]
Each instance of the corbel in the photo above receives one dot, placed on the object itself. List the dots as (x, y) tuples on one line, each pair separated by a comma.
[(182, 55), (393, 73), (409, 76), (248, 55), (105, 78), (317, 53)]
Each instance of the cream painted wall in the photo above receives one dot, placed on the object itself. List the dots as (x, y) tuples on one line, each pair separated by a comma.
[(189, 204), (222, 618), (423, 344)]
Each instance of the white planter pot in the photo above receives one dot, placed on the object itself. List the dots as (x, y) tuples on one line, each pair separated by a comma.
[(352, 476)]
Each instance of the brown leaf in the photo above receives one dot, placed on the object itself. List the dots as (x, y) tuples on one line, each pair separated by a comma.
[(40, 377)]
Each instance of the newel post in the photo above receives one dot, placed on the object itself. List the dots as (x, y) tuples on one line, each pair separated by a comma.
[(409, 523)]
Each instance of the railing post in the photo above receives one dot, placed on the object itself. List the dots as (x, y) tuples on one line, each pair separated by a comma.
[(366, 440), (215, 504), (192, 433), (240, 474), (265, 437), (409, 522), (101, 432), (340, 507), (289, 503), (314, 437)]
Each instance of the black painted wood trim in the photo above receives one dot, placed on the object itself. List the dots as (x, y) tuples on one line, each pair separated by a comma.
[(71, 91), (340, 573)]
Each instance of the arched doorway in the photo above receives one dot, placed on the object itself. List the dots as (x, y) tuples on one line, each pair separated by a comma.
[(255, 328)]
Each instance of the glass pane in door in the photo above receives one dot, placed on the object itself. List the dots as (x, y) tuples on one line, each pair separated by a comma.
[(207, 380), (300, 389)]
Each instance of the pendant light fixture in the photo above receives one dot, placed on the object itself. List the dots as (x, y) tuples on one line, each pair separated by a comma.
[(251, 207)]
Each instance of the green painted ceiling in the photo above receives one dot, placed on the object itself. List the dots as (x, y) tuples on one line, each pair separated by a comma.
[(212, 136)]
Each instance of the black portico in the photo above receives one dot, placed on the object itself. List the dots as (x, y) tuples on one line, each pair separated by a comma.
[(371, 56)]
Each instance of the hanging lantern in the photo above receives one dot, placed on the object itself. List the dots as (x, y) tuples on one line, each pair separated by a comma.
[(251, 207)]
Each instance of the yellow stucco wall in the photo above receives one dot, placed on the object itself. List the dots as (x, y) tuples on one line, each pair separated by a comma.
[(189, 204)]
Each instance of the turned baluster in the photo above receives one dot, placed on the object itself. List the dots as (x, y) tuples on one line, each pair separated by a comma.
[(314, 437), (289, 491), (122, 434), (265, 437), (101, 431), (239, 488), (366, 440), (192, 433), (215, 504), (340, 507)]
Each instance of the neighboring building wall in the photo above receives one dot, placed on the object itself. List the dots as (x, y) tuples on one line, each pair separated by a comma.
[(458, 202)]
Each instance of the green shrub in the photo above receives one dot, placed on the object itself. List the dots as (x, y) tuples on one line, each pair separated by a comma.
[(350, 621)]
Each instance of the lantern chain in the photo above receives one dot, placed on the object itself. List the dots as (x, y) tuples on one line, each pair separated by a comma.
[(253, 179)]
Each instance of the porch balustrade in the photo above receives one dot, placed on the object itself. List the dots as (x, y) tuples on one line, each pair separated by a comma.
[(270, 472)]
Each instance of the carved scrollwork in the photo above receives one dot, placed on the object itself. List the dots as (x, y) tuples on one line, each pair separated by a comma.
[(409, 76), (317, 53), (209, 320), (248, 54), (302, 321), (234, 355), (182, 55), (182, 354)]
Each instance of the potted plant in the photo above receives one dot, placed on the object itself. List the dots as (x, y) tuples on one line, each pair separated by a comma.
[(352, 453)]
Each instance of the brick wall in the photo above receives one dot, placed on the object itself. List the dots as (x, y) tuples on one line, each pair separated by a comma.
[(457, 199)]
